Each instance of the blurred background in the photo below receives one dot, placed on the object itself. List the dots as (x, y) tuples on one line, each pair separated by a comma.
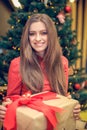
[(70, 18)]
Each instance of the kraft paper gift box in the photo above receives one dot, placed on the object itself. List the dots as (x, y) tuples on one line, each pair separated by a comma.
[(30, 119)]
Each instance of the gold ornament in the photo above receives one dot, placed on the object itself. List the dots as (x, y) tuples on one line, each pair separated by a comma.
[(19, 49), (70, 83), (74, 76), (29, 16), (71, 70), (10, 38), (35, 11), (52, 7), (74, 42), (75, 71), (5, 84), (18, 20), (12, 27), (4, 62)]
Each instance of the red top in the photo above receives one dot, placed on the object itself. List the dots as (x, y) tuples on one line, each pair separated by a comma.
[(15, 85)]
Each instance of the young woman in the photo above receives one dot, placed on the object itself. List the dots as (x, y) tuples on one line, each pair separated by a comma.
[(41, 66)]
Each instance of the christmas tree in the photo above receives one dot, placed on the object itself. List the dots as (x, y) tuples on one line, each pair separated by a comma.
[(60, 12)]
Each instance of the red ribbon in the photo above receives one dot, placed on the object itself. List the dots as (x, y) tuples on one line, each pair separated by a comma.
[(34, 102)]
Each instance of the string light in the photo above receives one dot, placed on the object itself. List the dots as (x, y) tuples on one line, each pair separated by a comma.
[(10, 38), (72, 1), (29, 16), (12, 27), (18, 20), (16, 3), (14, 47), (19, 49)]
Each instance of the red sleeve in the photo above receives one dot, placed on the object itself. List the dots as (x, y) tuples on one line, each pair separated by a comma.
[(65, 65), (14, 78)]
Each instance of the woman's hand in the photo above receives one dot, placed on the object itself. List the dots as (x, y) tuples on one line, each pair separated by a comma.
[(3, 108), (76, 111), (2, 112)]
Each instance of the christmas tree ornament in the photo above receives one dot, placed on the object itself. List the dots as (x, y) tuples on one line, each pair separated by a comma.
[(60, 28), (29, 16), (74, 42), (71, 71), (61, 17), (4, 62), (77, 86), (35, 10), (75, 71), (83, 85), (19, 49), (10, 38), (68, 9), (12, 27), (18, 20), (14, 47), (52, 7)]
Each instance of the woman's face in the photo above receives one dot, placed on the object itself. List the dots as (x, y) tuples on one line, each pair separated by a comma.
[(38, 37)]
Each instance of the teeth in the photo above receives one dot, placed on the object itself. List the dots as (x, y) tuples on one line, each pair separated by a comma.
[(39, 44)]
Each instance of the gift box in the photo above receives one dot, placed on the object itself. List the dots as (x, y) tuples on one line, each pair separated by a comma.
[(30, 119)]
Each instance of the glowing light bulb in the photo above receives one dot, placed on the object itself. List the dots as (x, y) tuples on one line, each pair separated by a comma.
[(72, 1), (16, 3)]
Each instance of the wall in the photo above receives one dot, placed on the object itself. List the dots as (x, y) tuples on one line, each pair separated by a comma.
[(79, 15), (4, 16)]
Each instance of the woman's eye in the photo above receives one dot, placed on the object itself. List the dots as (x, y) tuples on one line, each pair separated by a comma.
[(31, 34), (40, 33), (44, 33)]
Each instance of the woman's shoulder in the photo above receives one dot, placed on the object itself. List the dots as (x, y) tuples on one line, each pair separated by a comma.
[(15, 63), (16, 60)]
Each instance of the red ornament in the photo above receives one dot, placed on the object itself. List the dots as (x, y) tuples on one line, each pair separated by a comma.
[(77, 86), (68, 9)]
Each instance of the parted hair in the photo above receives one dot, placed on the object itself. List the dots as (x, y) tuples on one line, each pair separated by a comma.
[(31, 71)]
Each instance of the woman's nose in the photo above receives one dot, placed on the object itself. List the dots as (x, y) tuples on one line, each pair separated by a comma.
[(38, 37)]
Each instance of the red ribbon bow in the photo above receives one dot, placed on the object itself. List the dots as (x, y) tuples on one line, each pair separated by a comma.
[(34, 102)]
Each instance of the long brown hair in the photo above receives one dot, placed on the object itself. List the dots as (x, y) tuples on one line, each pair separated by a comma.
[(30, 69)]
